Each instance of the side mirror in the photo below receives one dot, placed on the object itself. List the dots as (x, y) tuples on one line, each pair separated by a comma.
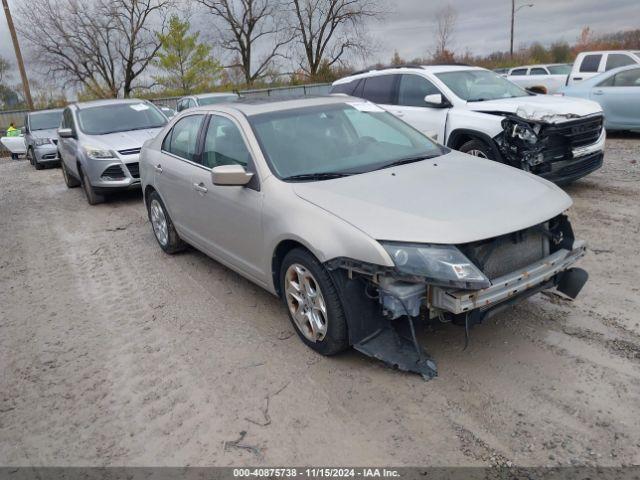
[(65, 133), (230, 175), (436, 100)]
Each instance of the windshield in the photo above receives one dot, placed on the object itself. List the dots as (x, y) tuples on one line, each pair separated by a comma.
[(119, 117), (559, 69), (216, 99), (480, 85), (45, 120), (344, 138)]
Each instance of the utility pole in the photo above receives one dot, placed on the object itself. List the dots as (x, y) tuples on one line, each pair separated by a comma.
[(513, 16), (16, 47)]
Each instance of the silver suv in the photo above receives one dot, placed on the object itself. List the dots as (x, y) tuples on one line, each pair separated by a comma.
[(360, 223), (40, 137), (100, 142)]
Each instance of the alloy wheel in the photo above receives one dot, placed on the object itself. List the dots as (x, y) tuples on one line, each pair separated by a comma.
[(306, 302), (159, 222), (478, 153)]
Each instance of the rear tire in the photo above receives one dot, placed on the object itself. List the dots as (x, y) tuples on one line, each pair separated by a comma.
[(163, 228), (69, 180), (313, 303), (92, 197), (478, 148)]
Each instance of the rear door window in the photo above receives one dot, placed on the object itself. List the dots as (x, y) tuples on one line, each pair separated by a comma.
[(615, 60), (628, 78), (519, 71), (379, 89), (590, 63), (538, 71), (182, 140)]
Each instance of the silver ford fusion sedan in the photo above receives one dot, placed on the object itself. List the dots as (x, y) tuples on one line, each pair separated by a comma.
[(100, 141), (360, 223)]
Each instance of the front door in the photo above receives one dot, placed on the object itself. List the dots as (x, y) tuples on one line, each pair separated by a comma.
[(229, 217), (412, 108), (620, 99)]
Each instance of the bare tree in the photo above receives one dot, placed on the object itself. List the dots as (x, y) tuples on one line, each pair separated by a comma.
[(99, 45), (446, 19), (244, 25), (136, 22), (328, 29)]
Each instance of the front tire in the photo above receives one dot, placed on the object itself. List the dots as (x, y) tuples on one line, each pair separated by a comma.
[(313, 303), (478, 148), (92, 197), (69, 180), (163, 228)]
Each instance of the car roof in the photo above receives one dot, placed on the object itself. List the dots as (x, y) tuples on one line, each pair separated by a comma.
[(216, 94), (401, 69), (539, 65), (250, 106), (108, 101), (49, 110), (633, 52)]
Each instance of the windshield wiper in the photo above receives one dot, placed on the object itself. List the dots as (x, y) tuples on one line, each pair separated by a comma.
[(317, 176), (478, 100), (404, 161)]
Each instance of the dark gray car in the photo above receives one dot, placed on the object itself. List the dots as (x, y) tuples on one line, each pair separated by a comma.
[(41, 138)]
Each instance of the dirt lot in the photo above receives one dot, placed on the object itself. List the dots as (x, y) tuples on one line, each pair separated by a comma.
[(113, 353)]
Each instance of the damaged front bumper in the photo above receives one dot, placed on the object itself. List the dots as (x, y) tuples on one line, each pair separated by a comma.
[(559, 152), (508, 286)]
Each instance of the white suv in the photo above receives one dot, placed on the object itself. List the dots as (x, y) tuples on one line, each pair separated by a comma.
[(478, 112)]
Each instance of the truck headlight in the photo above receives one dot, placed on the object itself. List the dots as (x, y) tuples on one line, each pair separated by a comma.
[(439, 264), (99, 154), (38, 142), (524, 133)]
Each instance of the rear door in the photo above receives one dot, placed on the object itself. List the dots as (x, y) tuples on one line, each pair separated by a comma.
[(411, 107), (619, 97), (174, 168)]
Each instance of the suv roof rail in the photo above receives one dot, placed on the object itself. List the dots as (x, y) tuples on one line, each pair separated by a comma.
[(386, 67), (448, 64)]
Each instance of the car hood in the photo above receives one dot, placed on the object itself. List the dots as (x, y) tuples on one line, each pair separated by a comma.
[(50, 133), (455, 198), (123, 140), (550, 108)]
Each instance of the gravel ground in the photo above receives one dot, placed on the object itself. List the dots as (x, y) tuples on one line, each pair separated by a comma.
[(113, 353)]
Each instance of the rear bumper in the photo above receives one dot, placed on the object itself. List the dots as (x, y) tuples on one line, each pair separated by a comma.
[(531, 279)]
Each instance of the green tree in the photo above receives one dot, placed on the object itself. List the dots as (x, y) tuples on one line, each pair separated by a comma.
[(187, 64)]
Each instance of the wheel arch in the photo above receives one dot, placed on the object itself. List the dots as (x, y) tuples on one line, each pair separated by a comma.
[(281, 250), (460, 136)]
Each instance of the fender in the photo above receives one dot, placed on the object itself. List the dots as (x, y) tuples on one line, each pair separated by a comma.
[(459, 132)]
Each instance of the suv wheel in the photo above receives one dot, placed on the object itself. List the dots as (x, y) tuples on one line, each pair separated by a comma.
[(92, 197), (163, 228), (314, 307), (478, 148), (69, 180)]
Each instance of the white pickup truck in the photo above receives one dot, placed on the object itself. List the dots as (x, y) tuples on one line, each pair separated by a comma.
[(589, 64), (548, 78)]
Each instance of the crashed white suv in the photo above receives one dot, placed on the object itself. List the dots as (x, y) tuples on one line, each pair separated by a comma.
[(478, 112)]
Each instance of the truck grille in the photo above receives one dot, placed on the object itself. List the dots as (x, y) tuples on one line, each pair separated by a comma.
[(501, 255), (564, 137)]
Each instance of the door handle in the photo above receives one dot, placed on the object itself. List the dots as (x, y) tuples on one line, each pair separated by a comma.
[(598, 92), (199, 187), (158, 168), (577, 78)]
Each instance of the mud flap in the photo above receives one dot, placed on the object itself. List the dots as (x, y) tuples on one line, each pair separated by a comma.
[(571, 281), (398, 352)]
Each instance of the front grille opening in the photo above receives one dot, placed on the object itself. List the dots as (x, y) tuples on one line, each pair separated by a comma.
[(134, 169), (114, 172), (130, 151), (505, 254), (562, 138)]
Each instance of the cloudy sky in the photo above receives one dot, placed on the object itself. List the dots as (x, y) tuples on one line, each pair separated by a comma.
[(482, 26)]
